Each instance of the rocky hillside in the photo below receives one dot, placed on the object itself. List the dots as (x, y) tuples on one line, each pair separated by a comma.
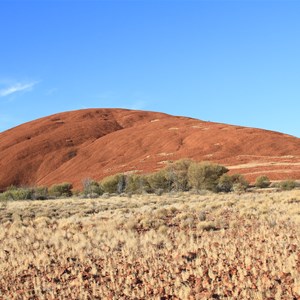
[(95, 143)]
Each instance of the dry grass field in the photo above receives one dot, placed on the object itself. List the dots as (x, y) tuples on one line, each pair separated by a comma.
[(175, 246)]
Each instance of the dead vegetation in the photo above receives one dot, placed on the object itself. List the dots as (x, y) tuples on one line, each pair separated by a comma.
[(175, 246)]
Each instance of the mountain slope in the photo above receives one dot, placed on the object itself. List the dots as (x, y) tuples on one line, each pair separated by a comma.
[(95, 143)]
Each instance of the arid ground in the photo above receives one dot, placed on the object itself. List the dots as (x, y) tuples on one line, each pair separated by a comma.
[(174, 246)]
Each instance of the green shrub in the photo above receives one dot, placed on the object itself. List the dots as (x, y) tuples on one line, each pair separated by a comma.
[(287, 185), (114, 184), (14, 193), (205, 175), (137, 184), (5, 196), (262, 182), (12, 188), (61, 190), (17, 194), (225, 183), (159, 181), (40, 193), (240, 184), (91, 187), (23, 194), (177, 174)]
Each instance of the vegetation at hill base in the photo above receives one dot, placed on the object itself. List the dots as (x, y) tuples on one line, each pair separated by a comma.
[(180, 176), (262, 181)]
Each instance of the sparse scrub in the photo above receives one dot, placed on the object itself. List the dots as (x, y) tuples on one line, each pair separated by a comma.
[(225, 183), (180, 176), (61, 190), (262, 182), (137, 184), (17, 194), (205, 175), (91, 188), (114, 184), (22, 193), (147, 247), (159, 181), (287, 185), (240, 184), (40, 193), (177, 173)]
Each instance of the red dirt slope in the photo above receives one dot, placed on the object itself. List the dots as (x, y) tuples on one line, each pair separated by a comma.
[(95, 143)]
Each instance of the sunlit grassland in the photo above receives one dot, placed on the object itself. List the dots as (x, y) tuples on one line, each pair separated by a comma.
[(174, 246)]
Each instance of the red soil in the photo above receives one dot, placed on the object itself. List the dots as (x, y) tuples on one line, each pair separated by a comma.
[(95, 143)]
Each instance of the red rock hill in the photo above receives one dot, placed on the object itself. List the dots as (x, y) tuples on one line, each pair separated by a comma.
[(95, 143)]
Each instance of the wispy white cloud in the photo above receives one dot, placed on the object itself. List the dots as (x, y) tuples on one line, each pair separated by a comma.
[(17, 87)]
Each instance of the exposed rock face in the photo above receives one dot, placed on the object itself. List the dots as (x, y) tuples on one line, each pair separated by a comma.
[(95, 143)]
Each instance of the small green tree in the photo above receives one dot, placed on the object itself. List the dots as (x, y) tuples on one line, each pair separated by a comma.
[(137, 184), (23, 194), (18, 194), (205, 175), (114, 184), (225, 183), (91, 187), (40, 193), (262, 182), (177, 173), (159, 181), (61, 190), (240, 184)]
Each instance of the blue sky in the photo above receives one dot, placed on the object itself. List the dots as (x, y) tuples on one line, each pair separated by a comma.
[(235, 62)]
